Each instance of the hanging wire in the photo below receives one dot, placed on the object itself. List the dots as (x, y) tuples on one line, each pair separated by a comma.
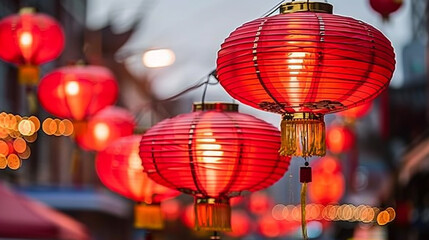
[(213, 72)]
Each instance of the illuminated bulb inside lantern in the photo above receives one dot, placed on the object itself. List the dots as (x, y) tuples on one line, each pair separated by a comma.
[(211, 153), (101, 131), (158, 58), (210, 150), (25, 39), (72, 88), (295, 63)]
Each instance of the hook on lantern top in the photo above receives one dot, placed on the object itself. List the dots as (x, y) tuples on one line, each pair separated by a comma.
[(215, 106)]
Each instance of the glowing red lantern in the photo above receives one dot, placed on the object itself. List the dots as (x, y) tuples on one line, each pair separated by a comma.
[(240, 224), (329, 184), (119, 168), (29, 39), (269, 227), (340, 139), (260, 203), (213, 154), (357, 112), (77, 92), (385, 7), (303, 64), (104, 127)]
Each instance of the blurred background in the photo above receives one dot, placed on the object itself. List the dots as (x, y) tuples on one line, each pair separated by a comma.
[(382, 152)]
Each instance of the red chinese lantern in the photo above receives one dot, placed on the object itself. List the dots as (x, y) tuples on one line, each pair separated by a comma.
[(357, 112), (260, 203), (214, 153), (119, 168), (104, 127), (340, 139), (30, 39), (240, 224), (385, 7), (77, 92), (329, 184), (304, 63)]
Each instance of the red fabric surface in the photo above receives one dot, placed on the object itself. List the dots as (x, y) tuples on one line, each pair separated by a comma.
[(305, 62), (104, 127), (357, 112), (30, 38), (77, 92), (119, 169), (22, 217), (213, 154)]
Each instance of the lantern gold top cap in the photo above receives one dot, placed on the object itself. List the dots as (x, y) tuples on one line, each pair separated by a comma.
[(217, 106), (27, 10), (306, 6)]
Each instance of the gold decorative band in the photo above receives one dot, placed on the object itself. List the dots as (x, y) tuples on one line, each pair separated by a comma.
[(302, 116), (305, 6), (219, 106)]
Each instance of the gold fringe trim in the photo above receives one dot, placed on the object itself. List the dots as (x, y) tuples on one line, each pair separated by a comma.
[(303, 134), (28, 75), (303, 205), (212, 215), (148, 216)]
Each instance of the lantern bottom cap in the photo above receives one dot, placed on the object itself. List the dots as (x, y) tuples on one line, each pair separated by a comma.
[(148, 216), (212, 214), (28, 75)]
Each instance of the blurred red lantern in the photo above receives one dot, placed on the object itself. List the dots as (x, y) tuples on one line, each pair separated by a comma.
[(171, 209), (260, 203), (30, 39), (340, 139), (304, 63), (269, 227), (104, 127), (329, 184), (385, 7), (241, 224), (77, 92), (119, 168), (357, 112), (213, 154)]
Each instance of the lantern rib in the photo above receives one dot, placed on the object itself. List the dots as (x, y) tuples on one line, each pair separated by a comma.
[(255, 64), (238, 163), (191, 134)]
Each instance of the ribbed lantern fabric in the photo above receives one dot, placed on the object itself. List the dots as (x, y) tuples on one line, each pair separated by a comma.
[(105, 126), (214, 155), (77, 92), (385, 7), (30, 39), (119, 169), (305, 62)]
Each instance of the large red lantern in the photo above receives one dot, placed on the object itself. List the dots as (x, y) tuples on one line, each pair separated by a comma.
[(385, 7), (29, 39), (304, 63), (104, 127), (329, 184), (214, 153), (340, 139), (77, 92), (119, 168)]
